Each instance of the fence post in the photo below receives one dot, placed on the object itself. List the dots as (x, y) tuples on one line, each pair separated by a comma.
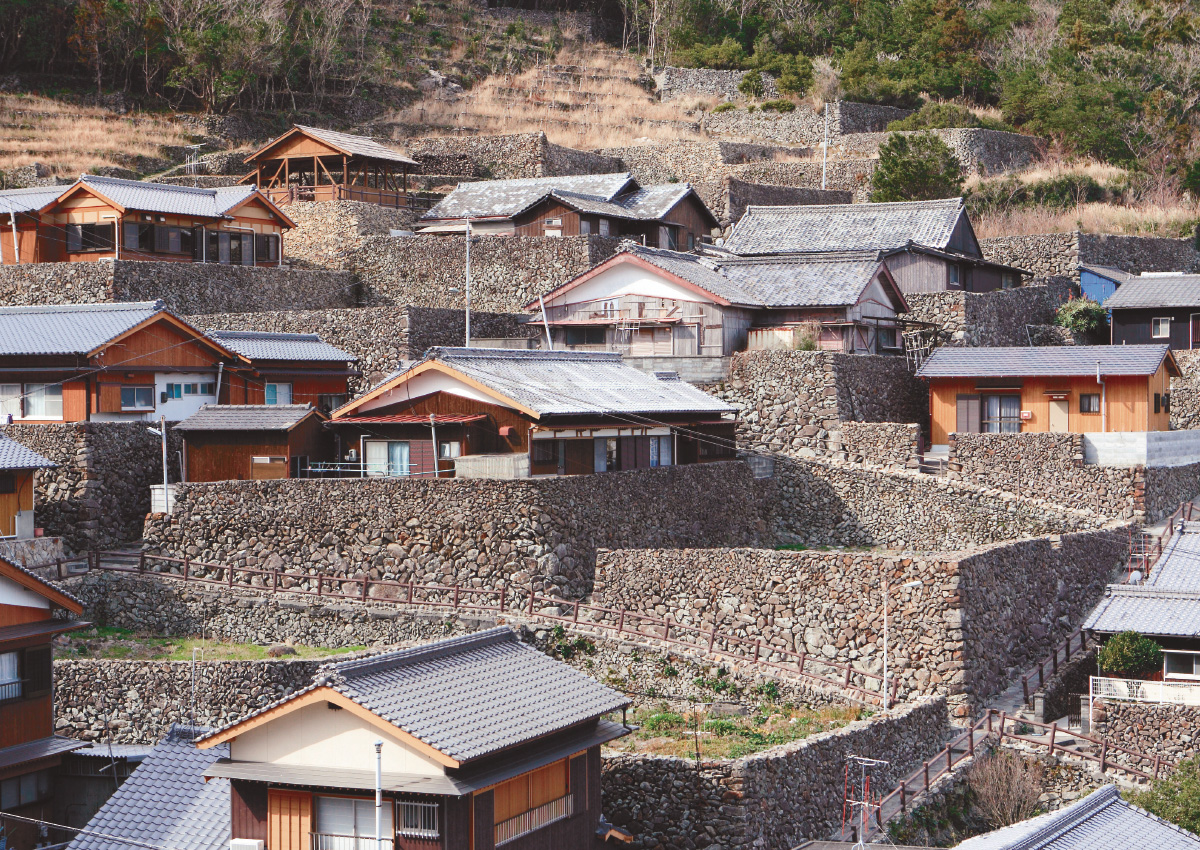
[(949, 757), (364, 590), (1053, 734), (712, 639), (895, 692), (1156, 757), (850, 670), (971, 740), (274, 581), (1103, 753), (1054, 660), (187, 568), (925, 767), (410, 591), (58, 565), (757, 649), (531, 600), (576, 603), (231, 575), (1042, 674), (1024, 691), (800, 662), (903, 801), (667, 628), (456, 586), (621, 623), (141, 562), (319, 583)]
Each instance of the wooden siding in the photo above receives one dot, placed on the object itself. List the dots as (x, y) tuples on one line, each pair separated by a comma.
[(963, 240), (227, 455), (480, 437), (919, 272), (20, 499), (289, 819), (1129, 403), (694, 218), (248, 809), (483, 824), (24, 720), (456, 834), (1134, 326)]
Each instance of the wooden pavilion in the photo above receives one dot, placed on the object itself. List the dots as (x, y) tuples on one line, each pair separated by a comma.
[(311, 164)]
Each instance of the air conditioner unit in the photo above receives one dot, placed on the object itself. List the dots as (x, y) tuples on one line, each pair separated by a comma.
[(245, 844)]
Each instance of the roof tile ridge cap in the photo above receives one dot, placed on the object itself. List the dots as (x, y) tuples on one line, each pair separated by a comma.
[(364, 666), (1121, 801), (1094, 803)]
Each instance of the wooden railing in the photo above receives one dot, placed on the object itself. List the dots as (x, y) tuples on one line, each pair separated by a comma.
[(1040, 670), (338, 192), (858, 685), (1146, 549)]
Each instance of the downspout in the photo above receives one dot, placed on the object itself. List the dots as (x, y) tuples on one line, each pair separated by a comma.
[(1103, 400), (12, 218), (220, 370), (378, 795), (546, 324), (433, 436)]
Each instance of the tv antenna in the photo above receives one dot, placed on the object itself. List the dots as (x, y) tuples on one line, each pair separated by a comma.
[(857, 799)]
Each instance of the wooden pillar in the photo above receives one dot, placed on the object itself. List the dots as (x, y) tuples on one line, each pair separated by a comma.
[(345, 176), (316, 172)]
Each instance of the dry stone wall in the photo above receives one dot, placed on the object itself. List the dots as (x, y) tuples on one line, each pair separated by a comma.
[(737, 194), (326, 231), (506, 157), (507, 272), (473, 532), (984, 152), (99, 494), (892, 445), (674, 83), (988, 319), (185, 288), (771, 800), (803, 126), (692, 161), (1185, 391), (842, 175), (1061, 254), (1169, 731), (382, 338)]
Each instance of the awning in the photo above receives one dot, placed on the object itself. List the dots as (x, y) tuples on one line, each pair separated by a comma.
[(42, 628), (306, 776), (42, 748)]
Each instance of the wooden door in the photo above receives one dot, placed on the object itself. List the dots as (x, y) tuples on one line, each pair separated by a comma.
[(1194, 336), (968, 417), (641, 342), (685, 340), (1059, 410), (289, 819)]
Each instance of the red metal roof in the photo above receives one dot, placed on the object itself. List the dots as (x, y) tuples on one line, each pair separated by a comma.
[(409, 419)]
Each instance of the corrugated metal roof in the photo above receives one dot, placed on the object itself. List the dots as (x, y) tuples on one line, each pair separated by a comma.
[(357, 145), (573, 382), (506, 198), (28, 200), (245, 417), (261, 345), (411, 419), (166, 801), (845, 227), (38, 749), (13, 455), (69, 328), (1115, 275), (1181, 290), (171, 200), (1100, 821), (1031, 362)]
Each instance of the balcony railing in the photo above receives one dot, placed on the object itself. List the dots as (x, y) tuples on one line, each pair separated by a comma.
[(10, 690), (329, 841), (527, 822), (1136, 690)]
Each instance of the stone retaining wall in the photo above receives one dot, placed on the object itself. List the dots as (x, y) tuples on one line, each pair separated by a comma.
[(737, 194), (692, 161), (505, 157), (185, 288), (33, 553), (980, 616), (1061, 254), (507, 272), (892, 445), (845, 175), (984, 152), (1185, 391), (326, 231), (99, 494), (674, 83), (1059, 697), (771, 800), (382, 338), (804, 125), (1169, 731), (473, 532), (989, 319)]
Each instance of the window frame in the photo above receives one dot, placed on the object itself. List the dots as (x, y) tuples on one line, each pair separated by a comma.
[(17, 684), (11, 402), (1156, 327), (425, 832), (274, 386), (1001, 420), (27, 395), (135, 389), (86, 238), (1093, 404), (1195, 674)]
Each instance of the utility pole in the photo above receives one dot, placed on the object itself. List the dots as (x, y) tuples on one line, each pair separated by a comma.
[(825, 147), (468, 296)]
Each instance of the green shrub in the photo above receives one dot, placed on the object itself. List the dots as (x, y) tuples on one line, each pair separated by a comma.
[(1129, 653), (728, 55), (1084, 318), (751, 84), (1176, 798), (780, 105), (940, 116), (418, 15), (663, 721), (916, 168), (724, 107), (721, 726)]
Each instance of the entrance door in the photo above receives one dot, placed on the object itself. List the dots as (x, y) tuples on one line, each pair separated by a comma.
[(967, 420), (1058, 415), (1194, 338)]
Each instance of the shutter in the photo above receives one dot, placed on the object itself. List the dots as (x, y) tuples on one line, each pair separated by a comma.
[(162, 239), (626, 453), (289, 819), (37, 672), (643, 452), (129, 236), (74, 237), (110, 398), (600, 456), (247, 249), (968, 414)]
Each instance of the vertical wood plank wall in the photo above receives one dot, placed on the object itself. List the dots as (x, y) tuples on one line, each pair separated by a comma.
[(289, 819)]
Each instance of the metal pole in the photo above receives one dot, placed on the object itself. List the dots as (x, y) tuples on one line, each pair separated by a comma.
[(468, 290), (433, 436), (162, 423), (379, 795), (825, 148), (885, 630), (546, 324), (12, 218)]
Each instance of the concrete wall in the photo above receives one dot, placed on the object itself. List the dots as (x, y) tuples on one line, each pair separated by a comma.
[(1143, 448)]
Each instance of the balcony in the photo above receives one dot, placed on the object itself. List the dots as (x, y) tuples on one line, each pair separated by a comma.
[(329, 841), (1137, 690), (534, 819), (339, 192)]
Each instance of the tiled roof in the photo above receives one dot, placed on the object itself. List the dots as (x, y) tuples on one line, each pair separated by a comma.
[(1178, 568), (703, 272), (647, 203), (1112, 274), (40, 748), (69, 328), (1168, 603), (261, 345), (357, 145), (166, 802), (506, 198), (172, 200), (1100, 821), (567, 382), (54, 588), (13, 455), (245, 417), (1179, 290), (845, 227), (474, 695), (1031, 362), (28, 200)]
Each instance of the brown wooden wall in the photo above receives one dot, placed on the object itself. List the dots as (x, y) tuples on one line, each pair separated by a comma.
[(226, 456), (248, 809), (26, 720), (481, 437), (691, 213), (21, 499)]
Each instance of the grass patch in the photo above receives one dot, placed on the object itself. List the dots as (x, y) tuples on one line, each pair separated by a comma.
[(124, 645)]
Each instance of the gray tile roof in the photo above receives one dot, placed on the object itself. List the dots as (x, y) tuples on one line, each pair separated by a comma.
[(1115, 275), (474, 695), (54, 587), (575, 382), (166, 802), (845, 227), (245, 417), (69, 328), (28, 200), (1059, 360), (357, 145), (703, 272), (1178, 568), (1168, 603), (172, 200), (13, 455), (1100, 821), (39, 748), (261, 345), (647, 203), (1180, 290), (506, 198)]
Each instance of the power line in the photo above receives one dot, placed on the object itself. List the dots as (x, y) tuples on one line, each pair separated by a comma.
[(78, 830)]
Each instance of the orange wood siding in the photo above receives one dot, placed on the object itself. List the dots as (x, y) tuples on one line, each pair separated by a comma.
[(21, 499), (481, 437), (26, 720), (19, 615), (75, 401), (160, 347), (289, 819)]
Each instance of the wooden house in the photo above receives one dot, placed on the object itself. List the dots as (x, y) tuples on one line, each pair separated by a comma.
[(30, 752), (646, 302), (929, 246), (1156, 308), (312, 164), (107, 218), (1100, 282), (1076, 388), (481, 742), (292, 368), (252, 442), (513, 413), (665, 216), (18, 471)]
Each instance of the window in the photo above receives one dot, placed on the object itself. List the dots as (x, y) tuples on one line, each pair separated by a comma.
[(10, 401), (234, 249), (585, 336), (554, 222), (345, 823), (43, 401), (1007, 280), (181, 390), (1001, 414), (8, 483), (545, 451), (36, 671), (714, 447), (417, 820), (10, 678), (1166, 402), (1181, 665), (266, 248), (887, 338), (1160, 328), (1158, 402), (952, 277), (278, 394), (387, 458), (137, 398), (660, 451), (585, 227), (450, 449), (610, 307), (25, 790), (331, 401), (85, 238), (1089, 403), (604, 227), (691, 241)]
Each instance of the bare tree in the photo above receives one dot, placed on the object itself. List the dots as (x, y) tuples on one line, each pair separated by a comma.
[(1006, 786)]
